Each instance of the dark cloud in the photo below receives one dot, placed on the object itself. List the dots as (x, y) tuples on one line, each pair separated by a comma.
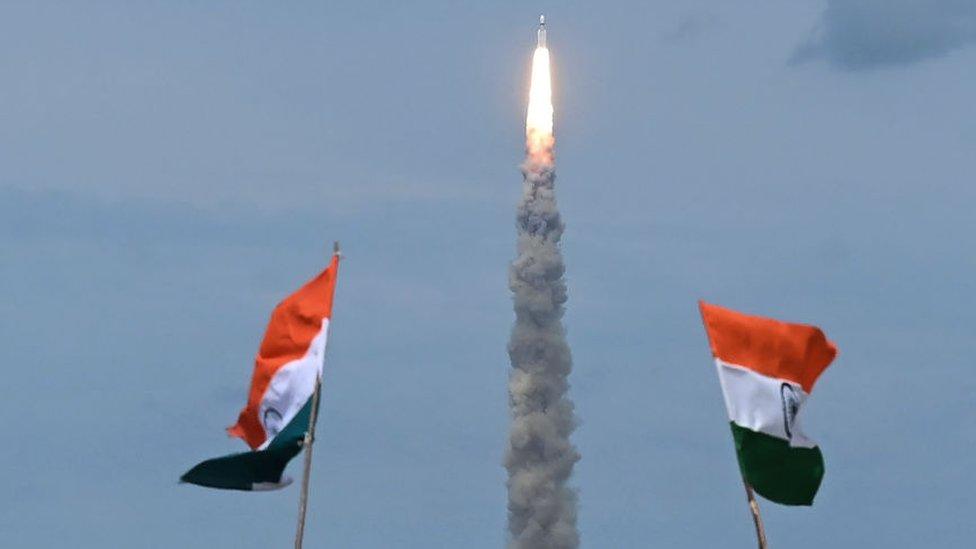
[(867, 34)]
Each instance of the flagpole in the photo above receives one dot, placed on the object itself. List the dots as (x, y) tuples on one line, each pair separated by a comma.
[(307, 444), (756, 517)]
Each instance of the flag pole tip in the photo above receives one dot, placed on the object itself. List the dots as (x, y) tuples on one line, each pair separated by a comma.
[(335, 247)]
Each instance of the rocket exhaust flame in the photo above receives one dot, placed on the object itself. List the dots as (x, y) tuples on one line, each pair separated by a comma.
[(538, 120), (540, 456)]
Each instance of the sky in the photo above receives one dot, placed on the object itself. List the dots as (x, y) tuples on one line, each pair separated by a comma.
[(170, 170)]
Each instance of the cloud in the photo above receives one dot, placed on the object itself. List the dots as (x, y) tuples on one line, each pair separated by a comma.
[(690, 27), (866, 34)]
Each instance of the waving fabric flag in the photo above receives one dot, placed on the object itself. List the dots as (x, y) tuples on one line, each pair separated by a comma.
[(279, 407), (767, 370)]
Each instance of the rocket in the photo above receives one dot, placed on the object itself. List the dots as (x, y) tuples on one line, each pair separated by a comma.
[(541, 33)]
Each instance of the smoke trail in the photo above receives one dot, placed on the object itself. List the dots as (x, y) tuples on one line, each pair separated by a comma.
[(540, 457)]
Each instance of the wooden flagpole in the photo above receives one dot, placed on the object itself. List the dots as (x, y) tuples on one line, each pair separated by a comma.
[(756, 517), (307, 444)]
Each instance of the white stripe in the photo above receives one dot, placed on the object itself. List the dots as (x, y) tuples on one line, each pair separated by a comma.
[(292, 386), (268, 486), (762, 403)]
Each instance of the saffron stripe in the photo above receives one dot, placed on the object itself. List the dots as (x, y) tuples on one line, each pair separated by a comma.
[(795, 352)]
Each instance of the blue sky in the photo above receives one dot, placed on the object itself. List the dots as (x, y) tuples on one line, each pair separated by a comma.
[(169, 171)]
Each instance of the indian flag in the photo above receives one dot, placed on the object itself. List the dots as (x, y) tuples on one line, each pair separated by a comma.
[(767, 370), (279, 410)]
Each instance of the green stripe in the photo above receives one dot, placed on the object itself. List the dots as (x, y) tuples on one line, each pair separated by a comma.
[(776, 471), (241, 471)]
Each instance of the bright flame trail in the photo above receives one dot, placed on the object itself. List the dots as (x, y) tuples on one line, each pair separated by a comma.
[(540, 457)]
